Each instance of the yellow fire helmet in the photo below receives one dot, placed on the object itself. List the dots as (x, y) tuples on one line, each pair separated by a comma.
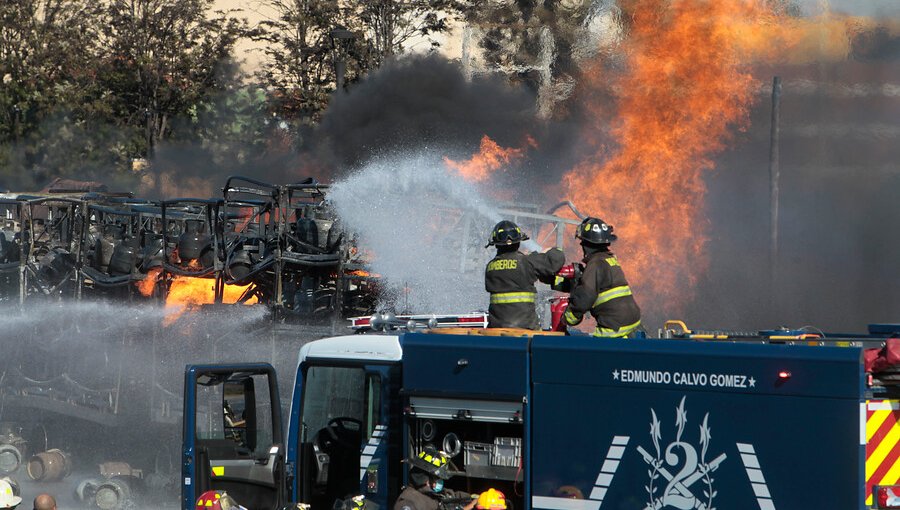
[(491, 499)]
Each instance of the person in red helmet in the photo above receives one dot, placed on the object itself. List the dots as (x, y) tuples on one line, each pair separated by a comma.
[(217, 500)]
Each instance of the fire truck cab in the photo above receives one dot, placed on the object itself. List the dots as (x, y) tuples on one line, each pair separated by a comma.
[(555, 423)]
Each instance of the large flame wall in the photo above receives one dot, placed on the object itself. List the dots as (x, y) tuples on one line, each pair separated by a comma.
[(685, 89)]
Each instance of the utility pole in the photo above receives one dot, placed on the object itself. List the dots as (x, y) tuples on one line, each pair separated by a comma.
[(774, 177), (341, 38)]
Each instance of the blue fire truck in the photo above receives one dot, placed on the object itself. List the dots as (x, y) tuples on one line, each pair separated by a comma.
[(692, 420)]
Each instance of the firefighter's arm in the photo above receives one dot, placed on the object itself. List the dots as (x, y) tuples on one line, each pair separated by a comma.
[(458, 500), (582, 297), (547, 264), (404, 504)]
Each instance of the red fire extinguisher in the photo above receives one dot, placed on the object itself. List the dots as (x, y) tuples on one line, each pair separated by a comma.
[(558, 307)]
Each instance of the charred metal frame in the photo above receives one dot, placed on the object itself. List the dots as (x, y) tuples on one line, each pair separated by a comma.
[(281, 241)]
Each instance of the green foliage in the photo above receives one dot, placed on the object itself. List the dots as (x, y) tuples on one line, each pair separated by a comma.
[(162, 58), (88, 86), (301, 52), (233, 126), (309, 39), (45, 53)]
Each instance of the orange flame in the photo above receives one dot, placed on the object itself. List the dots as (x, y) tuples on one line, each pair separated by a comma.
[(146, 286), (489, 158), (686, 87), (362, 273), (186, 292)]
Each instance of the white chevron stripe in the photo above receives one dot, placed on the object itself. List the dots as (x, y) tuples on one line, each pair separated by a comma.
[(369, 450), (610, 465), (756, 477)]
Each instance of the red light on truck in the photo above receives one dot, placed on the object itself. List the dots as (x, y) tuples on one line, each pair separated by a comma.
[(888, 497), (784, 374)]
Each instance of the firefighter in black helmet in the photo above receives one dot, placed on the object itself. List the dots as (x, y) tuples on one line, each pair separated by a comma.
[(428, 470), (510, 278), (602, 289)]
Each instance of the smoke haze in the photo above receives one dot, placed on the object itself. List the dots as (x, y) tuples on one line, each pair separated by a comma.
[(103, 382), (425, 101)]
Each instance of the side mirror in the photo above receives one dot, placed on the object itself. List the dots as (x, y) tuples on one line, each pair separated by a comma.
[(239, 412)]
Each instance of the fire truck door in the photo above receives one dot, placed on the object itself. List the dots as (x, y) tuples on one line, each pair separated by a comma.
[(341, 437), (232, 435)]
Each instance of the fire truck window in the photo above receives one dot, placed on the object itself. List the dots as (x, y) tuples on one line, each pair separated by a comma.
[(234, 408), (238, 411), (210, 413), (332, 392), (263, 415), (373, 402)]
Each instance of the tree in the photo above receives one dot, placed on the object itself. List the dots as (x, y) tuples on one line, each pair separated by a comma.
[(301, 51), (391, 25), (163, 57), (313, 43), (536, 42), (46, 51)]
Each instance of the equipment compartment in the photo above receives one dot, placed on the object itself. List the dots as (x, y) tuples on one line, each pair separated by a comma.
[(484, 453)]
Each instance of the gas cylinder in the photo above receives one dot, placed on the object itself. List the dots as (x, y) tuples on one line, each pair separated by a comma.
[(50, 466), (124, 256), (193, 241)]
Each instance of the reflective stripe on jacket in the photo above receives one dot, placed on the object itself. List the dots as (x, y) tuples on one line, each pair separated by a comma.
[(513, 297)]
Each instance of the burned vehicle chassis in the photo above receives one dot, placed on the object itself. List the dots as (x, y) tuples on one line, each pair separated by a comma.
[(280, 243)]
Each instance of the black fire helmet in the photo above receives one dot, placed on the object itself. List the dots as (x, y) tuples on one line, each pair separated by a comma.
[(506, 233)]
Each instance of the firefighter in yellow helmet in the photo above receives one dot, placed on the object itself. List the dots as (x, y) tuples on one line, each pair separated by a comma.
[(491, 499), (428, 470), (602, 289), (510, 277)]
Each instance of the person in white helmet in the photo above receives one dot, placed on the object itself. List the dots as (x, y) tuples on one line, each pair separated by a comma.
[(8, 498)]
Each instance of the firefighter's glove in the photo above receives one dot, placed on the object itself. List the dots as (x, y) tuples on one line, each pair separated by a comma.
[(571, 271)]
